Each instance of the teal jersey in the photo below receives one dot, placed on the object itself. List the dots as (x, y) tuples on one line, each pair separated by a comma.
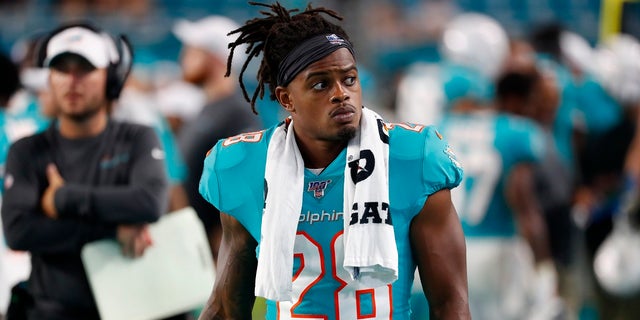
[(33, 112), (601, 111), (420, 163), (569, 116), (489, 145), (176, 168), (4, 148), (14, 127)]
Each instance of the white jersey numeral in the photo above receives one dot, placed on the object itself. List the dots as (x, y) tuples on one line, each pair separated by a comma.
[(346, 298), (474, 145)]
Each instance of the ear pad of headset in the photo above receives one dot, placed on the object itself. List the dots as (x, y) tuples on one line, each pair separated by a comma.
[(118, 72)]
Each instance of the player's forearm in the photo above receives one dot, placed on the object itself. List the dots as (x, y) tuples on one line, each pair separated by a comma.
[(453, 309), (230, 303), (437, 238), (129, 204), (529, 217), (233, 295), (632, 163), (216, 311), (531, 224), (38, 234), (28, 229), (534, 230), (445, 283)]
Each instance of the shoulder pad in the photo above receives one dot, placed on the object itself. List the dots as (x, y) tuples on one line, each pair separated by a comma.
[(406, 140), (234, 150)]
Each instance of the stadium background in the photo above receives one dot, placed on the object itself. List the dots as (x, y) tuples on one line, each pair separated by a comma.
[(390, 34)]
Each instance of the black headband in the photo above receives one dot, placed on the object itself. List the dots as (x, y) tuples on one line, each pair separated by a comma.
[(308, 52)]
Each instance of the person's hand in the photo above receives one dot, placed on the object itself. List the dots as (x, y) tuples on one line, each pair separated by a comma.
[(48, 197), (134, 239), (585, 200), (546, 302)]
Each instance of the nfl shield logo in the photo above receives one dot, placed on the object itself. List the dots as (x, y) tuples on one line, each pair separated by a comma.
[(335, 39), (318, 188)]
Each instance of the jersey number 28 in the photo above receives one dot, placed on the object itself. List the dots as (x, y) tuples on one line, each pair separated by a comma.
[(347, 300)]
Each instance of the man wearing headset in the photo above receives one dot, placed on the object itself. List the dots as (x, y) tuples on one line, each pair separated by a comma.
[(85, 178)]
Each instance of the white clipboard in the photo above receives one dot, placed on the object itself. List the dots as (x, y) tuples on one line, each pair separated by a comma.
[(175, 275)]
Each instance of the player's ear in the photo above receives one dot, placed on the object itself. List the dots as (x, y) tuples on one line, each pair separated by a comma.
[(284, 98)]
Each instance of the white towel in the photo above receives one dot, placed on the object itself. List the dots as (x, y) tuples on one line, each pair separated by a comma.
[(370, 252), (284, 174), (371, 256)]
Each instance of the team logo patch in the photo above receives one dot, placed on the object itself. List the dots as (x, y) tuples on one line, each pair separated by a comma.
[(108, 162), (363, 167), (318, 187), (335, 39)]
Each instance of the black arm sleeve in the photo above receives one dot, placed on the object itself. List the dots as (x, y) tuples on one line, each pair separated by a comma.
[(143, 200), (26, 227)]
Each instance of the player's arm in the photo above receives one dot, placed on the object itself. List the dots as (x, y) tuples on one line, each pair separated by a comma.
[(439, 249), (25, 225), (632, 159), (521, 198), (533, 228), (233, 294)]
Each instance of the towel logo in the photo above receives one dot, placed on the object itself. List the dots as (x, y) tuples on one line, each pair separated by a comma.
[(362, 168), (370, 214), (318, 188)]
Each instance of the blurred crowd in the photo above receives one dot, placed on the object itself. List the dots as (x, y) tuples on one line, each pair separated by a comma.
[(574, 97)]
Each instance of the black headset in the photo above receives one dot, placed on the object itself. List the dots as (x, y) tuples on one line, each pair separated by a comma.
[(117, 71)]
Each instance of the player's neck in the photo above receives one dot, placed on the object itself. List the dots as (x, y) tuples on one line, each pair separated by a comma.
[(318, 153)]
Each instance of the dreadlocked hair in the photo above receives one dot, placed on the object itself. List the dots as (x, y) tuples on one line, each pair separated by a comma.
[(275, 35)]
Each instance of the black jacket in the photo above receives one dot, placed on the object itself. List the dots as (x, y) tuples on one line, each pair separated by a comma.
[(117, 177)]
